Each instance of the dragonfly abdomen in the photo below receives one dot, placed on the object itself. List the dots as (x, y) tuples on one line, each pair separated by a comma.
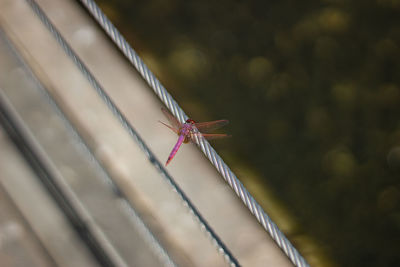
[(175, 149)]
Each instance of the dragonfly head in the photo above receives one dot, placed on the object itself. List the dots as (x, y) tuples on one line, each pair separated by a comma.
[(190, 121)]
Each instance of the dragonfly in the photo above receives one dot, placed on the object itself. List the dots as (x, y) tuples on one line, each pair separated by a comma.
[(187, 131)]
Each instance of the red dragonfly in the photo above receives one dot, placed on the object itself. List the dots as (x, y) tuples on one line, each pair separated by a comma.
[(187, 132)]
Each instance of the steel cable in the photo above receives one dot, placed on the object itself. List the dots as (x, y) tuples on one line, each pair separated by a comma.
[(132, 132), (215, 159)]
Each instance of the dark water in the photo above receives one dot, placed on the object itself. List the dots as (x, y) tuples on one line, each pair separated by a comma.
[(312, 90)]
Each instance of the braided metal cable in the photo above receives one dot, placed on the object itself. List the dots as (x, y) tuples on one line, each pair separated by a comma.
[(132, 132), (215, 159)]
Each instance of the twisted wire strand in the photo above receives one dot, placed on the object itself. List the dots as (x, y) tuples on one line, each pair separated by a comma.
[(221, 247), (215, 159)]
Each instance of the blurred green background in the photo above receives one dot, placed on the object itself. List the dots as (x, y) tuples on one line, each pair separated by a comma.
[(312, 91)]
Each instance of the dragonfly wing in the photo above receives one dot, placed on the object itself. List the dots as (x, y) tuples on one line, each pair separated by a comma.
[(211, 125), (172, 128), (174, 122), (210, 136)]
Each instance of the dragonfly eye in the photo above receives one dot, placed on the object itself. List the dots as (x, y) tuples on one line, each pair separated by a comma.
[(190, 121)]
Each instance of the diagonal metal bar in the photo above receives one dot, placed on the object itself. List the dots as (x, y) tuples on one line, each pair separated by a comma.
[(143, 230)]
